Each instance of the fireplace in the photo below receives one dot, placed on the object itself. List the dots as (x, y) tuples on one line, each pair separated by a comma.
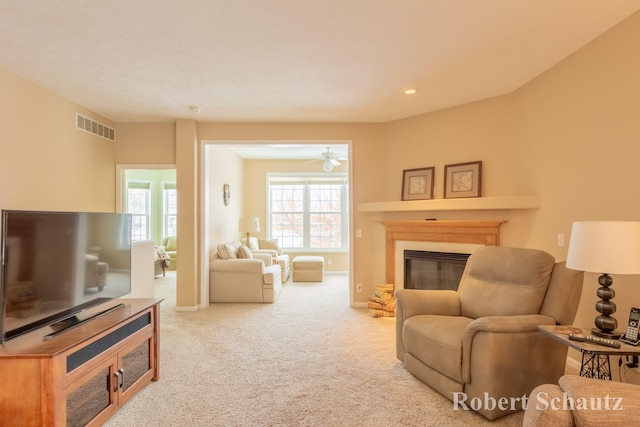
[(460, 237), (433, 270)]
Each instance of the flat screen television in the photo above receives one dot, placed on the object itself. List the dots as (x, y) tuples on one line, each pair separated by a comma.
[(56, 265)]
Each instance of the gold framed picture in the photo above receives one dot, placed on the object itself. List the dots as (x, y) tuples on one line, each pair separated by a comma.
[(463, 180), (417, 184)]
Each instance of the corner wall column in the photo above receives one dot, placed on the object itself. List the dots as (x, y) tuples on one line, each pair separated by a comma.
[(187, 173)]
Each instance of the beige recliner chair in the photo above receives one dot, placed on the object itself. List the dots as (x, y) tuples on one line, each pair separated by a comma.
[(481, 341)]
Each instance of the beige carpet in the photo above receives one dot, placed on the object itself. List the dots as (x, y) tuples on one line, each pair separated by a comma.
[(306, 360)]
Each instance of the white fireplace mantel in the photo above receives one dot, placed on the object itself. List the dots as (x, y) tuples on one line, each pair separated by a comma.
[(466, 204)]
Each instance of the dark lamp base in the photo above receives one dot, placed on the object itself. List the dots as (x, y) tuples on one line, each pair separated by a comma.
[(613, 335)]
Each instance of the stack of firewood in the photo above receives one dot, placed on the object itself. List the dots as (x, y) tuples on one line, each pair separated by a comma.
[(382, 303)]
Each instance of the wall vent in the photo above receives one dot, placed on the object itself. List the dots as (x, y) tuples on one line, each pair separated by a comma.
[(99, 129)]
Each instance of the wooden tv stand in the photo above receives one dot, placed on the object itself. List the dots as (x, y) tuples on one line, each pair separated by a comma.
[(83, 375)]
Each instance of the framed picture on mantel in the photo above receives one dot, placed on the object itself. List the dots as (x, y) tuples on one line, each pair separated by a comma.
[(463, 180), (417, 184)]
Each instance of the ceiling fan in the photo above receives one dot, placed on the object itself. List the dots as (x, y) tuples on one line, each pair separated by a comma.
[(329, 158)]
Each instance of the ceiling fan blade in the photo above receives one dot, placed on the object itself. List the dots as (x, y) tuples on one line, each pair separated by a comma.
[(312, 161), (334, 162)]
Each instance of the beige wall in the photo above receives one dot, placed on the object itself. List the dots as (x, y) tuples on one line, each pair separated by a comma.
[(224, 167), (46, 163), (578, 146), (146, 143)]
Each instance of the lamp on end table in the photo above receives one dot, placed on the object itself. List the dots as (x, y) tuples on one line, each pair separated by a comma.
[(606, 247), (249, 224)]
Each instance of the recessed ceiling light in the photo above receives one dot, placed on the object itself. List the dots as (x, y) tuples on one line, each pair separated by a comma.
[(410, 91), (195, 109)]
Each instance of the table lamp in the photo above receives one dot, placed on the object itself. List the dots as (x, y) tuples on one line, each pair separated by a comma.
[(606, 247), (249, 224)]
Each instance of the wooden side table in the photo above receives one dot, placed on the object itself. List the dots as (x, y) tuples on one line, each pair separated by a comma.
[(595, 358)]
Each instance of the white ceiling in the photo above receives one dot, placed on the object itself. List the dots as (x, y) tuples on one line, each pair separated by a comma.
[(302, 150), (291, 60)]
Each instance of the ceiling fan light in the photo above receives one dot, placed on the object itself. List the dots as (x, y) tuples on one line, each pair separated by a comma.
[(327, 166)]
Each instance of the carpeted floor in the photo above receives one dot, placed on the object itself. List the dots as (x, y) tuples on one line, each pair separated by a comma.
[(306, 360)]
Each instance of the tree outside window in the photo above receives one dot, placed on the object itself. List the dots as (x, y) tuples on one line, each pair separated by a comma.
[(309, 212)]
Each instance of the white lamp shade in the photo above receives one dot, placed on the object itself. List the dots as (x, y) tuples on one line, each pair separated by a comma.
[(249, 224), (611, 247)]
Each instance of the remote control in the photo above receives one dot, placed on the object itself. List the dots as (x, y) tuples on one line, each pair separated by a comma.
[(594, 340)]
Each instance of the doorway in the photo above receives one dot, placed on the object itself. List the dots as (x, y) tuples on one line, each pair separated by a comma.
[(244, 168), (149, 193)]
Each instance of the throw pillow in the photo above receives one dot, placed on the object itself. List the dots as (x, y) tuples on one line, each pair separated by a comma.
[(270, 244), (227, 251), (253, 243), (244, 252)]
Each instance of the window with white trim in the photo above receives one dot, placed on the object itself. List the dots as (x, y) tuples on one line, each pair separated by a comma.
[(139, 206), (170, 208), (308, 212)]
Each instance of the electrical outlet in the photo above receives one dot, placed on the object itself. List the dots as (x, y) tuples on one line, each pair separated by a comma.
[(358, 233), (561, 240), (329, 261), (359, 287)]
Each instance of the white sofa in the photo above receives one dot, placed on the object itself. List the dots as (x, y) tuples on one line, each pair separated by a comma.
[(272, 248), (234, 279)]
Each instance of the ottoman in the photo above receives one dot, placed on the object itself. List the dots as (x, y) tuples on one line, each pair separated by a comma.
[(308, 268)]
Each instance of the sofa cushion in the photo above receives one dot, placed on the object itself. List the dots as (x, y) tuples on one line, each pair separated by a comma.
[(503, 281), (227, 251), (270, 244), (437, 342), (244, 252), (252, 243)]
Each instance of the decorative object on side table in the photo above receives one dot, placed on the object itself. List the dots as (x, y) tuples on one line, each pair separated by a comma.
[(606, 247), (417, 184), (249, 224), (463, 180)]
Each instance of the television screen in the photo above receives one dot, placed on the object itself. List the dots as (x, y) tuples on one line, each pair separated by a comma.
[(58, 264)]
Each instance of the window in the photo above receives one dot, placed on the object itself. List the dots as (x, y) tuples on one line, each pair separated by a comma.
[(309, 212), (138, 205), (170, 208)]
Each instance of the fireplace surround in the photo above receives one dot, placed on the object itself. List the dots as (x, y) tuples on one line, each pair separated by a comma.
[(466, 234)]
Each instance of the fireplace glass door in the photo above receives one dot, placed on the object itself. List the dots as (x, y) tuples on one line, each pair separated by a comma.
[(433, 270)]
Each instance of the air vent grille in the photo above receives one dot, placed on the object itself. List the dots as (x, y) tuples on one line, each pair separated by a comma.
[(99, 129)]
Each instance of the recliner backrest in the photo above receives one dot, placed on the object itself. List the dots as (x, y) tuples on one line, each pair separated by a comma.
[(503, 281), (563, 295)]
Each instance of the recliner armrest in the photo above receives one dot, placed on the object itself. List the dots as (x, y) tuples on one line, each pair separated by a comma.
[(524, 324), (415, 302), (502, 324)]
